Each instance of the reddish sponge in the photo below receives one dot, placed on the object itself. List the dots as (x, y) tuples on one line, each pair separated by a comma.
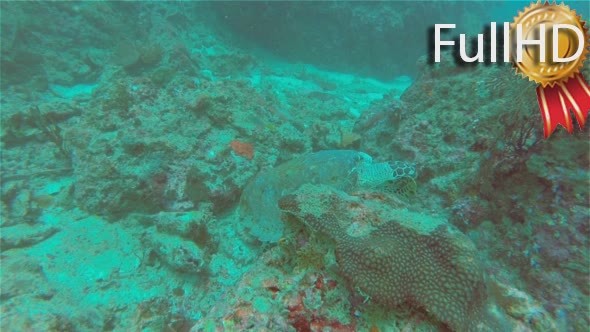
[(398, 257)]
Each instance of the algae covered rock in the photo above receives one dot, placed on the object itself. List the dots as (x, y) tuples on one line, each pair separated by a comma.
[(399, 257), (178, 254)]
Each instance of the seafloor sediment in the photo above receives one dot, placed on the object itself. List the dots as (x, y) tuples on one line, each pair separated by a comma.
[(130, 131)]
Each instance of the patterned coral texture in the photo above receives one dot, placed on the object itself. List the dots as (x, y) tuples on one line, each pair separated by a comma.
[(429, 266)]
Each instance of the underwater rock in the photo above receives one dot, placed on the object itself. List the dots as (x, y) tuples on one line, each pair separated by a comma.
[(30, 322), (232, 64), (21, 204), (31, 303), (143, 159), (522, 306), (395, 256), (180, 255), (21, 67), (291, 139), (325, 136), (270, 297), (129, 54), (25, 235), (378, 127), (23, 275), (477, 134), (158, 314), (191, 226), (184, 224)]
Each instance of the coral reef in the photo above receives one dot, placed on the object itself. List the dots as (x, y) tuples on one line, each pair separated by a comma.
[(145, 147), (399, 257)]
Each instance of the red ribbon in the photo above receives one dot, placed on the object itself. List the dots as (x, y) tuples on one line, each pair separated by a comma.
[(558, 101)]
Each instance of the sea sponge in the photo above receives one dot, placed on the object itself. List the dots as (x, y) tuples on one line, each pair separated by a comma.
[(401, 257)]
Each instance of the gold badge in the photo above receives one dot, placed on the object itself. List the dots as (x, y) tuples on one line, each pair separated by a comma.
[(549, 72), (549, 45)]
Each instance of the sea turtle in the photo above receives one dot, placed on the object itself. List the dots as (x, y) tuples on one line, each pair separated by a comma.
[(345, 170)]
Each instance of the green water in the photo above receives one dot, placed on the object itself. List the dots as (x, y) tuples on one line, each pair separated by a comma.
[(281, 166)]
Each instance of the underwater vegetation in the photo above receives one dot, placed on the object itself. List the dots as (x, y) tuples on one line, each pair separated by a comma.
[(264, 166)]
